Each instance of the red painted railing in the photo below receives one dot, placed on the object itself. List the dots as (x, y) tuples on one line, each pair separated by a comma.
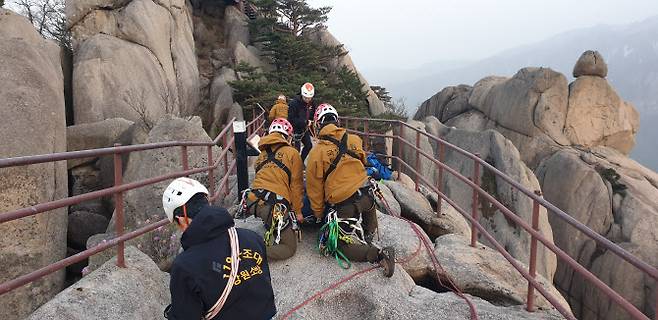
[(253, 127), (361, 128)]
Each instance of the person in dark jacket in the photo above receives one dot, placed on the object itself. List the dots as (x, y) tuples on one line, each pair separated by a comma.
[(199, 275), (300, 115)]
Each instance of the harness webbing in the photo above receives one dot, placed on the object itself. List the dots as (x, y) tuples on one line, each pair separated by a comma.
[(342, 150), (271, 157)]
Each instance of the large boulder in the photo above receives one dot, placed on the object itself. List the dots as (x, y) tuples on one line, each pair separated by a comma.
[(236, 27), (93, 136), (322, 36), (369, 295), (83, 225), (615, 197), (32, 108), (422, 166), (447, 104), (597, 116), (485, 273), (416, 207), (243, 54), (221, 96), (145, 49), (114, 78), (140, 291), (533, 102), (144, 205), (590, 63), (500, 153)]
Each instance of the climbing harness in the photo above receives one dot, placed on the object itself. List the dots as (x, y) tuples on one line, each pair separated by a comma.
[(342, 150), (235, 265), (336, 229), (271, 158)]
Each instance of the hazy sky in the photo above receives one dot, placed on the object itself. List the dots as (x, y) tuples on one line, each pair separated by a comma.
[(406, 34)]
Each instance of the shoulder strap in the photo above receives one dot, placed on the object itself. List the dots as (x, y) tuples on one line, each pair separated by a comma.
[(342, 150), (271, 157)]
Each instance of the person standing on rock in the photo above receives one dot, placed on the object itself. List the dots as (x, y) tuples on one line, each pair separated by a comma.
[(222, 272), (300, 114), (279, 109), (336, 178), (277, 191)]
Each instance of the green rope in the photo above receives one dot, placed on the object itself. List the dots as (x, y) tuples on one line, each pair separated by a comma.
[(331, 230)]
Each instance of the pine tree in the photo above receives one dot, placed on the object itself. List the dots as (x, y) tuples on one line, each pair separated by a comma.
[(279, 31)]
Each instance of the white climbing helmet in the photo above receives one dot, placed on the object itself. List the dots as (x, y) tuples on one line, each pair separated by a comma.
[(308, 91), (322, 111), (178, 193)]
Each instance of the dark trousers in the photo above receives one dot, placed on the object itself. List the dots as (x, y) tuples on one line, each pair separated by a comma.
[(288, 244), (350, 209), (307, 142)]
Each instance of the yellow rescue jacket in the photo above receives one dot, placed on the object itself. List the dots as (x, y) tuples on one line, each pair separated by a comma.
[(279, 110), (348, 176), (273, 178)]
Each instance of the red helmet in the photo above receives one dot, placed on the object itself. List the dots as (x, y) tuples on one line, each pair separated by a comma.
[(281, 125), (322, 110)]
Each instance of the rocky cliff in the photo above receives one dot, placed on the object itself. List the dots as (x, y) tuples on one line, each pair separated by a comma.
[(32, 108), (575, 138)]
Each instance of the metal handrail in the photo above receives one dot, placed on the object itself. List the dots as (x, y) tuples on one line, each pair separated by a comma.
[(537, 201), (255, 126)]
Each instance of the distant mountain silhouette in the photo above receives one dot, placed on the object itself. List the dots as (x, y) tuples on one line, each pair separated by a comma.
[(631, 52)]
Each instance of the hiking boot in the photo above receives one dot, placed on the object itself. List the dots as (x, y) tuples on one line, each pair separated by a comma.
[(387, 261)]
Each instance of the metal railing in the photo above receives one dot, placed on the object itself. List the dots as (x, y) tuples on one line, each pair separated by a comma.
[(361, 128), (253, 127)]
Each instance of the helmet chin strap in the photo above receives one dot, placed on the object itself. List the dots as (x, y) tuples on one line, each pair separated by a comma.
[(185, 218)]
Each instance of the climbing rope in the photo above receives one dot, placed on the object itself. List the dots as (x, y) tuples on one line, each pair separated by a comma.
[(435, 261), (235, 265), (332, 232), (422, 243)]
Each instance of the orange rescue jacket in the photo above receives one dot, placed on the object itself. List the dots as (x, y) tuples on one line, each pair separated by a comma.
[(348, 176), (274, 179)]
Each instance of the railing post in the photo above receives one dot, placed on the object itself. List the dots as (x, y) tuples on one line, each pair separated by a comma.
[(442, 155), (418, 170), (366, 143), (400, 137), (118, 207), (241, 157), (225, 164), (184, 158), (474, 205), (530, 305), (347, 123), (211, 173)]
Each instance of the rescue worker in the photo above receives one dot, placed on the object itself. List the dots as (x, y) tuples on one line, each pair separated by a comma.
[(336, 177), (279, 109), (222, 272), (300, 114), (277, 191)]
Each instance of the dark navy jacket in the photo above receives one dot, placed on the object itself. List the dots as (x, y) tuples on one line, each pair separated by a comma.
[(299, 113), (199, 274)]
